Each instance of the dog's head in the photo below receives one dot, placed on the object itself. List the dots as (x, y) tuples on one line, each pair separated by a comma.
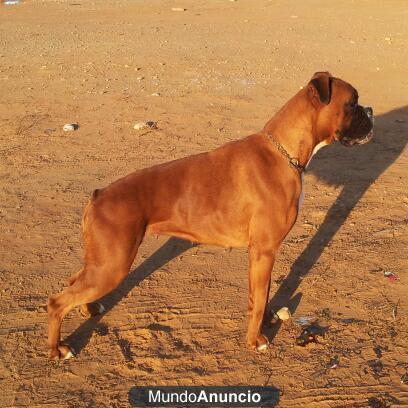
[(339, 115)]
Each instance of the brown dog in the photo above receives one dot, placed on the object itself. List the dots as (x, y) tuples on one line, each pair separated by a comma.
[(245, 193)]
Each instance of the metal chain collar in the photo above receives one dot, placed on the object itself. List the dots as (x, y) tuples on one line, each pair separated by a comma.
[(293, 162)]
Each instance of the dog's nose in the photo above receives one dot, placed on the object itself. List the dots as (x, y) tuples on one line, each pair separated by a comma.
[(369, 111)]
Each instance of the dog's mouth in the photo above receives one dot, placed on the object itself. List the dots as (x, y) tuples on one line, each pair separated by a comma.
[(347, 140), (366, 138)]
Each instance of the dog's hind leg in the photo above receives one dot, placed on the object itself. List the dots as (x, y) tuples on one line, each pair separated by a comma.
[(92, 284), (87, 309), (95, 281), (71, 280), (110, 249)]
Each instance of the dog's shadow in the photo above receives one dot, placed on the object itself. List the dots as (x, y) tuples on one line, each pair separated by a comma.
[(356, 169)]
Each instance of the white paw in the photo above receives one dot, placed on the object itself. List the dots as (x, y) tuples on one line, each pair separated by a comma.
[(262, 347), (69, 355)]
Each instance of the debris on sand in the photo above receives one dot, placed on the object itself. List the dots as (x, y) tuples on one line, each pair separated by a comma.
[(70, 127), (178, 9), (145, 125), (334, 362), (374, 402), (304, 320), (378, 351), (48, 131), (392, 277), (377, 367), (310, 334), (386, 400), (325, 313)]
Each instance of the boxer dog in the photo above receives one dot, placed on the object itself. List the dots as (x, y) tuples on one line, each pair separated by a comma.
[(243, 194)]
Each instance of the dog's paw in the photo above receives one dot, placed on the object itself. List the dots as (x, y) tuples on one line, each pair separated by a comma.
[(62, 352), (262, 343), (91, 309)]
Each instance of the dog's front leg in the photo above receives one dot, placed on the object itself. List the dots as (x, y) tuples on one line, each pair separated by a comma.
[(260, 268)]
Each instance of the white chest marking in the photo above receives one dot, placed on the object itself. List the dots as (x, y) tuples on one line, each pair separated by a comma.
[(315, 150)]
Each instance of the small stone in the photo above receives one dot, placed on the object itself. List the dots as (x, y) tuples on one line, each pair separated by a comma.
[(156, 94), (41, 309), (145, 125), (70, 127), (283, 313), (140, 126), (178, 9), (45, 158)]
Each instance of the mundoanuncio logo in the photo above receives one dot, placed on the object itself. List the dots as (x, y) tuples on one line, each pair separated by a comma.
[(204, 396)]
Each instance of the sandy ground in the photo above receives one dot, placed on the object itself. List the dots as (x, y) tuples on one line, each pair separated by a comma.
[(222, 69)]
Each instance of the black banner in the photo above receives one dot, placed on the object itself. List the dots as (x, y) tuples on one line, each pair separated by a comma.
[(203, 396)]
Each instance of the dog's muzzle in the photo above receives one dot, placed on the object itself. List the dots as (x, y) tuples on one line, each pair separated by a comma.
[(347, 139), (370, 113)]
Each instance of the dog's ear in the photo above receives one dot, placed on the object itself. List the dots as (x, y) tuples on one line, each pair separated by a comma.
[(320, 87)]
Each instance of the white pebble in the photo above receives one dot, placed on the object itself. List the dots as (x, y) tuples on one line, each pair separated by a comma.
[(145, 125), (140, 126), (283, 314), (70, 127)]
